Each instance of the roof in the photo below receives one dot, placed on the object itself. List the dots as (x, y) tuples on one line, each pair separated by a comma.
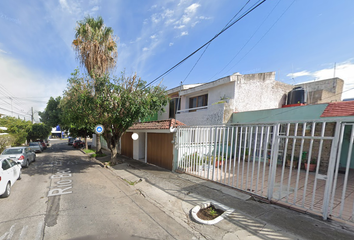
[(163, 124), (339, 109)]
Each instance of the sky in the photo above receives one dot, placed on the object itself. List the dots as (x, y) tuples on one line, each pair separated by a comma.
[(300, 40)]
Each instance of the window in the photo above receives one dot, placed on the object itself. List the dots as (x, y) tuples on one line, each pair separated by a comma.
[(5, 165), (198, 101), (173, 107)]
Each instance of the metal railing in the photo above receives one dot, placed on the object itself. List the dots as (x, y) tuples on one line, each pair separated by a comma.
[(275, 161)]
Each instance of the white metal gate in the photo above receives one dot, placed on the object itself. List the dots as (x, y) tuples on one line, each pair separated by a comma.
[(275, 161)]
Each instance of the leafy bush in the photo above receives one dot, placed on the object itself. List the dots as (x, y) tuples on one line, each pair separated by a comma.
[(6, 140)]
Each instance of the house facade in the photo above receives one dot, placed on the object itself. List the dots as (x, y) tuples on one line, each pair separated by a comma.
[(214, 102)]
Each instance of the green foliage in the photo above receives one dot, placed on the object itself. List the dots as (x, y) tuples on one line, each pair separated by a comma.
[(153, 117), (95, 46), (88, 151), (212, 212), (38, 131), (17, 128), (78, 107), (6, 140), (52, 113)]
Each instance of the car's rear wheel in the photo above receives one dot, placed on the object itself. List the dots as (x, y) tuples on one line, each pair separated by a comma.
[(19, 176), (34, 158), (7, 190), (27, 164)]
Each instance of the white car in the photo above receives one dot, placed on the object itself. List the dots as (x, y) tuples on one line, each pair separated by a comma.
[(10, 172), (24, 155)]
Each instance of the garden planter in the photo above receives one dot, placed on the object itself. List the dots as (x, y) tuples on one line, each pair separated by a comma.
[(218, 163), (311, 167)]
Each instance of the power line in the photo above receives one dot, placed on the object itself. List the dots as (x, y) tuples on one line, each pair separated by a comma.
[(180, 62), (249, 39), (22, 114), (210, 43), (264, 34)]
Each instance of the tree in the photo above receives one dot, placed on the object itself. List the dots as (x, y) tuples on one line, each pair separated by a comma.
[(52, 113), (123, 102), (17, 128), (96, 48), (38, 131), (78, 106), (6, 140)]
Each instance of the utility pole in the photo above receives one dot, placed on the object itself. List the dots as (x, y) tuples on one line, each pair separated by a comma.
[(32, 114)]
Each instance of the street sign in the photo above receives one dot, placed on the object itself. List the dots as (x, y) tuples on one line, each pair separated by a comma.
[(99, 129)]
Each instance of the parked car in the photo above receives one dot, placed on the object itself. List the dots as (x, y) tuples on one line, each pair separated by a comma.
[(10, 172), (78, 144), (23, 155), (44, 146), (71, 141), (36, 146)]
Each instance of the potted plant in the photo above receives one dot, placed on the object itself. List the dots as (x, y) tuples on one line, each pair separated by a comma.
[(312, 165), (295, 161), (246, 155), (218, 162)]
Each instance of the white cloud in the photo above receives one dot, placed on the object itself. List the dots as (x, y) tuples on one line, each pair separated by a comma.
[(185, 19), (299, 74), (145, 49), (184, 33), (192, 8), (180, 26), (171, 43), (153, 36), (64, 4), (2, 51), (195, 23), (95, 9), (24, 83), (204, 18)]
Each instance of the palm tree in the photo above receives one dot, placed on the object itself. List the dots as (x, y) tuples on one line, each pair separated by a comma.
[(95, 46), (96, 49)]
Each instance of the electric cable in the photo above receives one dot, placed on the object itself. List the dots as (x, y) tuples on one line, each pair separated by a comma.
[(264, 34), (210, 43), (178, 103), (212, 39), (249, 39)]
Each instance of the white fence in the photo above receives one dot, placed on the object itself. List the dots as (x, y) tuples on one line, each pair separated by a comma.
[(275, 161)]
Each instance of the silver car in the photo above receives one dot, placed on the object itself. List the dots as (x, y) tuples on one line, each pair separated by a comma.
[(24, 155), (36, 146)]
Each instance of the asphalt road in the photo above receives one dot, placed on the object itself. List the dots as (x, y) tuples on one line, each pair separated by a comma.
[(65, 195)]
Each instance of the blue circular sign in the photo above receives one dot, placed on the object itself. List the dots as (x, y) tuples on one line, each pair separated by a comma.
[(99, 129)]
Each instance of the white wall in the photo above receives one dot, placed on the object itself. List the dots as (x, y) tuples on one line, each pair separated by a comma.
[(139, 147), (211, 116), (259, 91)]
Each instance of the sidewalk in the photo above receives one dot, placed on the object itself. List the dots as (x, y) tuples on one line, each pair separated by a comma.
[(176, 194)]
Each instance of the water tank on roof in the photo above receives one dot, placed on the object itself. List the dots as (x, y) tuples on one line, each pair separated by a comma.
[(297, 95)]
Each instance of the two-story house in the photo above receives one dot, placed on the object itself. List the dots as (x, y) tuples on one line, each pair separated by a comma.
[(209, 103), (214, 102)]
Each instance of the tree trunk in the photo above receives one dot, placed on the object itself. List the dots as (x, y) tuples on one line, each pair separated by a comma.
[(98, 143), (114, 147), (86, 142)]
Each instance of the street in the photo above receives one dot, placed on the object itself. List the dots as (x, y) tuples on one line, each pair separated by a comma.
[(65, 195)]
